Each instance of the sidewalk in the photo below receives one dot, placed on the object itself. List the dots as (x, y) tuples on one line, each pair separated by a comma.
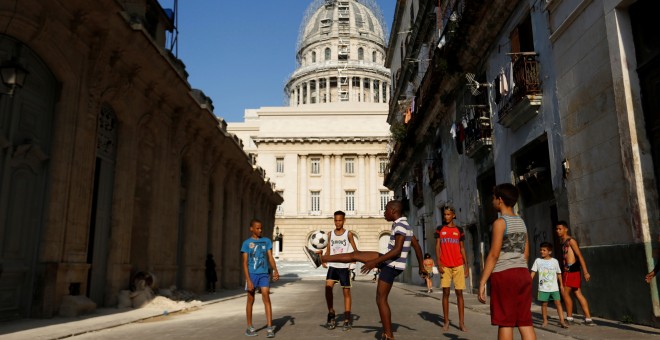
[(103, 318), (604, 329)]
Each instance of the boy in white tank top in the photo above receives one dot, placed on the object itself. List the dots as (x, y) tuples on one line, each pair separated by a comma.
[(341, 241)]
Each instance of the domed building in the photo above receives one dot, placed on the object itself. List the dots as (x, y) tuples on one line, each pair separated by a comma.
[(326, 150), (341, 52)]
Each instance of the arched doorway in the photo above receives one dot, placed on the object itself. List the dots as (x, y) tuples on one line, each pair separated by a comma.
[(26, 123)]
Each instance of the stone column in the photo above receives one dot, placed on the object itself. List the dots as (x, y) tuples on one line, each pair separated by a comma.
[(327, 89), (318, 90), (350, 89), (297, 101), (371, 90), (373, 193), (362, 89), (362, 186), (327, 195), (308, 96), (231, 271), (217, 214), (302, 177), (292, 94), (380, 91), (338, 182)]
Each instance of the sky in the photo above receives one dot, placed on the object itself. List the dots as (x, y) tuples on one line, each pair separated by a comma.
[(240, 53)]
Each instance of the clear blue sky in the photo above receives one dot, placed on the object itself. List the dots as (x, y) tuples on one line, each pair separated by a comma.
[(241, 52)]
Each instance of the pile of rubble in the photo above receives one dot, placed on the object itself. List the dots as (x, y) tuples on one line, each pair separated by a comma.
[(145, 294)]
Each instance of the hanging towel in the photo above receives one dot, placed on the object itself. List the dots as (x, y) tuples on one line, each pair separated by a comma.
[(504, 85)]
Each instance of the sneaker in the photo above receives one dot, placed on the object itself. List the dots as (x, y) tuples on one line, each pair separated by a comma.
[(332, 322), (250, 331), (347, 326), (589, 322), (569, 320), (313, 257), (270, 332)]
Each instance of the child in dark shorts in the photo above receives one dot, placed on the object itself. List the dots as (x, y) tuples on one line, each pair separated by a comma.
[(506, 267)]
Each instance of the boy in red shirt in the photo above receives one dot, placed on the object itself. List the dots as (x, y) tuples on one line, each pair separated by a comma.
[(450, 252)]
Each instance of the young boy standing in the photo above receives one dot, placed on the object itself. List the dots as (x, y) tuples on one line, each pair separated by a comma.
[(391, 264), (506, 267), (450, 251), (548, 268), (573, 262), (340, 241), (257, 253)]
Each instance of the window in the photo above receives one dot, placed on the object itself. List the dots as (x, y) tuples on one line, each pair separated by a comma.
[(316, 166), (327, 53), (521, 37), (313, 57), (384, 198), (360, 53), (279, 165), (373, 56), (349, 168), (280, 208), (350, 200), (316, 202), (383, 165)]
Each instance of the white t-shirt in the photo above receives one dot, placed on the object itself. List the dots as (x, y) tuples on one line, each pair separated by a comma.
[(547, 271), (339, 244)]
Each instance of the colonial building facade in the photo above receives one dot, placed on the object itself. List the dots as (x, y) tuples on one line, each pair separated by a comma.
[(110, 164), (326, 150), (557, 97)]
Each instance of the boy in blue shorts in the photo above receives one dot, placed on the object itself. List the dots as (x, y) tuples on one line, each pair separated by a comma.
[(257, 253), (549, 282)]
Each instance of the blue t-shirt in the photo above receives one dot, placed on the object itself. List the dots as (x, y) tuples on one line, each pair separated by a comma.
[(257, 252)]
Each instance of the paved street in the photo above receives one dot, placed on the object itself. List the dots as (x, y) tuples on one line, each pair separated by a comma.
[(299, 312)]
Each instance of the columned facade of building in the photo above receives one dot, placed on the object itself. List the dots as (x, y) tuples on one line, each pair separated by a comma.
[(110, 164)]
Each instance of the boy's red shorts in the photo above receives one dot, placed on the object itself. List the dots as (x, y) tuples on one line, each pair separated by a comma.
[(511, 298), (572, 279)]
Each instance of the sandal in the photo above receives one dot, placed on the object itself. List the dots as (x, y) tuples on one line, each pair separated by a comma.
[(385, 337)]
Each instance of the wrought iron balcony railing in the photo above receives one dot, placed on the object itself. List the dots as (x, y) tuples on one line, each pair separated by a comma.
[(519, 104), (479, 133)]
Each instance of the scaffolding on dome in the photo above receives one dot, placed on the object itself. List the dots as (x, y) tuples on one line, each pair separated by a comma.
[(316, 4)]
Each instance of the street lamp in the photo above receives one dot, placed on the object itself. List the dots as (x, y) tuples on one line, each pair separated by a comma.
[(13, 75)]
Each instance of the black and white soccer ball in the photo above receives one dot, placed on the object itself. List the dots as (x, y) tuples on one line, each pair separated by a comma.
[(319, 240)]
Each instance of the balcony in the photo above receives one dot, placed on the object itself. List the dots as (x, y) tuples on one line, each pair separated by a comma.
[(479, 133), (522, 102)]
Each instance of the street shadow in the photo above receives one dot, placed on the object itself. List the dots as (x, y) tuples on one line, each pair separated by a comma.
[(623, 326), (378, 331), (433, 318), (279, 323)]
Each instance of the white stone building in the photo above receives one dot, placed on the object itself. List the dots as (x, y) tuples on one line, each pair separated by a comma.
[(327, 150)]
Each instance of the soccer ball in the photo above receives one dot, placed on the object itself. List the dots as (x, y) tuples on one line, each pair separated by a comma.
[(319, 239)]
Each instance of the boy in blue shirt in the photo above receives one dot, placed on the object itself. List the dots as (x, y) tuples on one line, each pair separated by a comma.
[(257, 253)]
